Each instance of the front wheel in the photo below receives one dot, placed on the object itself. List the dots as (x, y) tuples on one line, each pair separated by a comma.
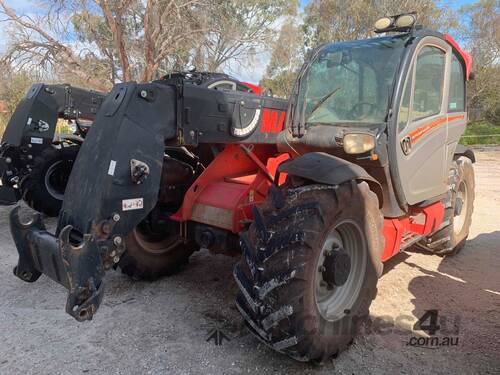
[(310, 268)]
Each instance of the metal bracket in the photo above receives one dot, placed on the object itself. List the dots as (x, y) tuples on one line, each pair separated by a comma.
[(76, 266)]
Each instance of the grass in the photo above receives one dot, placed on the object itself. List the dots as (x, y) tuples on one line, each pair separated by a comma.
[(479, 133)]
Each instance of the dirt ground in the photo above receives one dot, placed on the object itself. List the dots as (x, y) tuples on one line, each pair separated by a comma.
[(161, 327)]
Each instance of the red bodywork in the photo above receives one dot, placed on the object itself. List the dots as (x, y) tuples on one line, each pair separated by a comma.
[(237, 179), (421, 221), (257, 90), (240, 177)]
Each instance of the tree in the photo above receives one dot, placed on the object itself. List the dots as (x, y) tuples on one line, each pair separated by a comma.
[(101, 42), (334, 20), (241, 28), (13, 87), (35, 46), (286, 59), (482, 36)]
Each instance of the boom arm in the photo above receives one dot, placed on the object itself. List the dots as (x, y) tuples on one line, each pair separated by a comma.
[(116, 179)]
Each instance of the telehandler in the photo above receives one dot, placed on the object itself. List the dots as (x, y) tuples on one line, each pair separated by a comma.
[(361, 163)]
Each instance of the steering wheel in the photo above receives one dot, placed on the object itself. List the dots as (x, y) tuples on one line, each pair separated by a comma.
[(362, 110)]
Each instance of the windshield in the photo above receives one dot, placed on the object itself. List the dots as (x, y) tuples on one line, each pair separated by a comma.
[(350, 82)]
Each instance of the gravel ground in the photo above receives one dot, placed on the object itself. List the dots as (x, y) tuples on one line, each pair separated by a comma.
[(162, 327)]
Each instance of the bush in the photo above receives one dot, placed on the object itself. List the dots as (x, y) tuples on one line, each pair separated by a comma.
[(480, 133)]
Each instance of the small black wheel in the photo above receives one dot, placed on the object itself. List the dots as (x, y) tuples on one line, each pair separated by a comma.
[(43, 189), (310, 268), (154, 252), (459, 205)]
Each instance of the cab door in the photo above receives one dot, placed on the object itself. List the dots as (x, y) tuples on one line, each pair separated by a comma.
[(421, 136)]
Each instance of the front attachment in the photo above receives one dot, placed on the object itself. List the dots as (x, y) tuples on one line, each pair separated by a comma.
[(76, 263)]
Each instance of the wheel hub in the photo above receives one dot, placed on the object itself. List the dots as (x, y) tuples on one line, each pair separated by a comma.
[(341, 269), (336, 267)]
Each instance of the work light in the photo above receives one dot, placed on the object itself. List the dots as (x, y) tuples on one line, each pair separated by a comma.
[(383, 23), (400, 22), (405, 21)]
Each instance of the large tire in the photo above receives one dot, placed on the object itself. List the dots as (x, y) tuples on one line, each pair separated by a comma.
[(150, 255), (284, 292), (43, 189), (459, 205)]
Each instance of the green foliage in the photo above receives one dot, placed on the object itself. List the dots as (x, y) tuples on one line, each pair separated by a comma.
[(334, 20), (281, 85), (13, 87), (480, 133), (479, 29)]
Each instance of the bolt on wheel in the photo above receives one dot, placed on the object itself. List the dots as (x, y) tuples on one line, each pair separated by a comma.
[(341, 266)]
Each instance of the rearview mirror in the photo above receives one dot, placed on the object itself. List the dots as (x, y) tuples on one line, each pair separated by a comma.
[(334, 59)]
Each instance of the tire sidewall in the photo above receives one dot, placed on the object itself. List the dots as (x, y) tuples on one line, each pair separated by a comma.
[(35, 191), (465, 174), (340, 332)]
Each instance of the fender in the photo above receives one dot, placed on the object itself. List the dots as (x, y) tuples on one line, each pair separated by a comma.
[(327, 169), (462, 150)]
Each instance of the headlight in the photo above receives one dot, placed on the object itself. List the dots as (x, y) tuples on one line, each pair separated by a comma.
[(358, 143)]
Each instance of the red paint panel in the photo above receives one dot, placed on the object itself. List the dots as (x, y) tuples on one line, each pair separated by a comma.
[(394, 229), (272, 121), (255, 89)]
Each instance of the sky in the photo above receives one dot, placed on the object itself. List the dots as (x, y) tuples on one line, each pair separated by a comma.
[(251, 71)]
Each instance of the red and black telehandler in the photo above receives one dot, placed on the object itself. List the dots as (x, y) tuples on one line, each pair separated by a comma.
[(361, 163)]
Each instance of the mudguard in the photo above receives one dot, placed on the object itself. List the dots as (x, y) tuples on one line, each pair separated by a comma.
[(462, 150), (328, 169)]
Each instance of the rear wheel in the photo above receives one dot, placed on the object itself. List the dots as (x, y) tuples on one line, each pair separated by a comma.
[(459, 205), (43, 190), (310, 268), (153, 252)]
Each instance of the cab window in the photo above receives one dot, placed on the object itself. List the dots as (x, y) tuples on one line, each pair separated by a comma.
[(456, 98), (429, 78)]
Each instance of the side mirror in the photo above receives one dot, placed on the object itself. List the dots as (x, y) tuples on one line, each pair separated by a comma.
[(472, 76)]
